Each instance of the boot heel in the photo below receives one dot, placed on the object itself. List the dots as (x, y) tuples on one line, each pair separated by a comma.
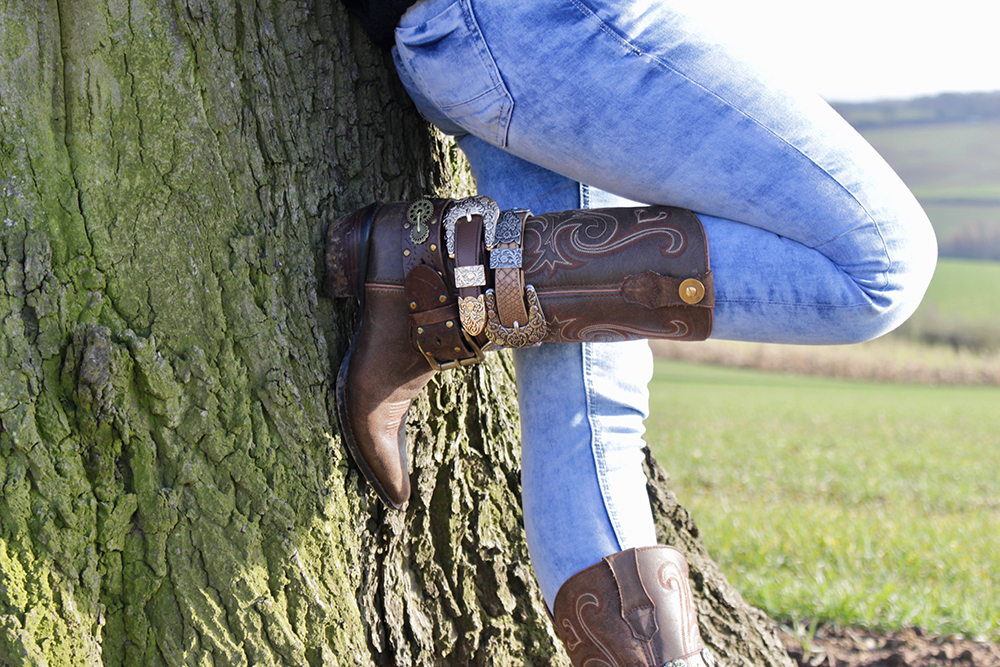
[(347, 253)]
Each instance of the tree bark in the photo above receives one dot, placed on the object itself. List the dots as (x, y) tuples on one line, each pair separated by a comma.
[(174, 490)]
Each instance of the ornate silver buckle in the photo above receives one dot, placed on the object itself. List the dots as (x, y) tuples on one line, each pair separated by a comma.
[(533, 332), (466, 208)]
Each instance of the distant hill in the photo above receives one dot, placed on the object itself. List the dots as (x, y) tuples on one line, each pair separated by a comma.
[(947, 150), (944, 108)]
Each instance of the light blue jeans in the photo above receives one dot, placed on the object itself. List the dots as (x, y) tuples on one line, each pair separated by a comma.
[(813, 238)]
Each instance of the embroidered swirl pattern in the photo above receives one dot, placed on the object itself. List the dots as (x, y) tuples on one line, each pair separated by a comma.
[(571, 331), (570, 242), (582, 602), (673, 579)]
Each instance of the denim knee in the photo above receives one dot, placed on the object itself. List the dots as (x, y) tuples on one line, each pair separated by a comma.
[(911, 246)]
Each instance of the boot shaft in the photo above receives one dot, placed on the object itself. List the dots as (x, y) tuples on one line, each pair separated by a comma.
[(633, 609), (477, 279), (620, 274), (441, 282)]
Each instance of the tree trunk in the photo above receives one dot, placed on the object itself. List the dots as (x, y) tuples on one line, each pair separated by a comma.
[(174, 487)]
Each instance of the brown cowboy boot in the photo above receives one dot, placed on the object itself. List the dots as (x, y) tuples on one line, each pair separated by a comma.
[(633, 609), (442, 281)]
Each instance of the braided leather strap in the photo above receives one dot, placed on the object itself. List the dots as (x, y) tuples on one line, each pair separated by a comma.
[(505, 260)]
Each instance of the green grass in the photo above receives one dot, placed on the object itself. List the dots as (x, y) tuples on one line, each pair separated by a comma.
[(962, 306), (965, 289), (943, 160), (954, 170), (860, 504)]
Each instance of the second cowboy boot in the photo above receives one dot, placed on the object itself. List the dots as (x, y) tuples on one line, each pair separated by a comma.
[(442, 281), (633, 609)]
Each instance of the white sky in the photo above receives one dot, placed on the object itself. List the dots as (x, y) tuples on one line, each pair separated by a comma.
[(851, 50)]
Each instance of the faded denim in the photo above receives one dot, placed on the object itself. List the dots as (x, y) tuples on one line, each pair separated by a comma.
[(813, 238)]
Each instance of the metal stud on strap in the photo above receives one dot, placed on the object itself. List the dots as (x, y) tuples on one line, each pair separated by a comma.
[(692, 291)]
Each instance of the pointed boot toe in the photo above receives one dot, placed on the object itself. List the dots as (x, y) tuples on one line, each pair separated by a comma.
[(377, 382)]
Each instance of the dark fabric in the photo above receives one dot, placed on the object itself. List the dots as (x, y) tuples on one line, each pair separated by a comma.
[(379, 17)]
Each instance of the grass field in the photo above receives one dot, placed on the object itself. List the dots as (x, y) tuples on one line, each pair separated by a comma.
[(862, 503), (944, 160), (962, 306), (856, 503), (965, 289)]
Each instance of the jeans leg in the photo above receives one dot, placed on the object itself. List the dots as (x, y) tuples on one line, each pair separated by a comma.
[(582, 408), (814, 239), (583, 488)]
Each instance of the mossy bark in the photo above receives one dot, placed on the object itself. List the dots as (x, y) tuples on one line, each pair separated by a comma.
[(174, 490)]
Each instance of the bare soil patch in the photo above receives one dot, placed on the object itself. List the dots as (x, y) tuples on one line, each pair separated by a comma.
[(832, 647)]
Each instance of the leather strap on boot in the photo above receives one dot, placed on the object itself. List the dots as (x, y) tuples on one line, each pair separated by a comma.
[(435, 320), (632, 608), (506, 261), (470, 274), (508, 322), (584, 275)]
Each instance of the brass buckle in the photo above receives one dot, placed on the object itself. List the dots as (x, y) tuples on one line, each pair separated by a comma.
[(455, 363), (532, 333), (466, 208)]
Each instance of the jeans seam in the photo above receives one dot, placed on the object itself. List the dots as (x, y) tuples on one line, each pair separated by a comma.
[(490, 65), (501, 127), (795, 304), (597, 447)]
